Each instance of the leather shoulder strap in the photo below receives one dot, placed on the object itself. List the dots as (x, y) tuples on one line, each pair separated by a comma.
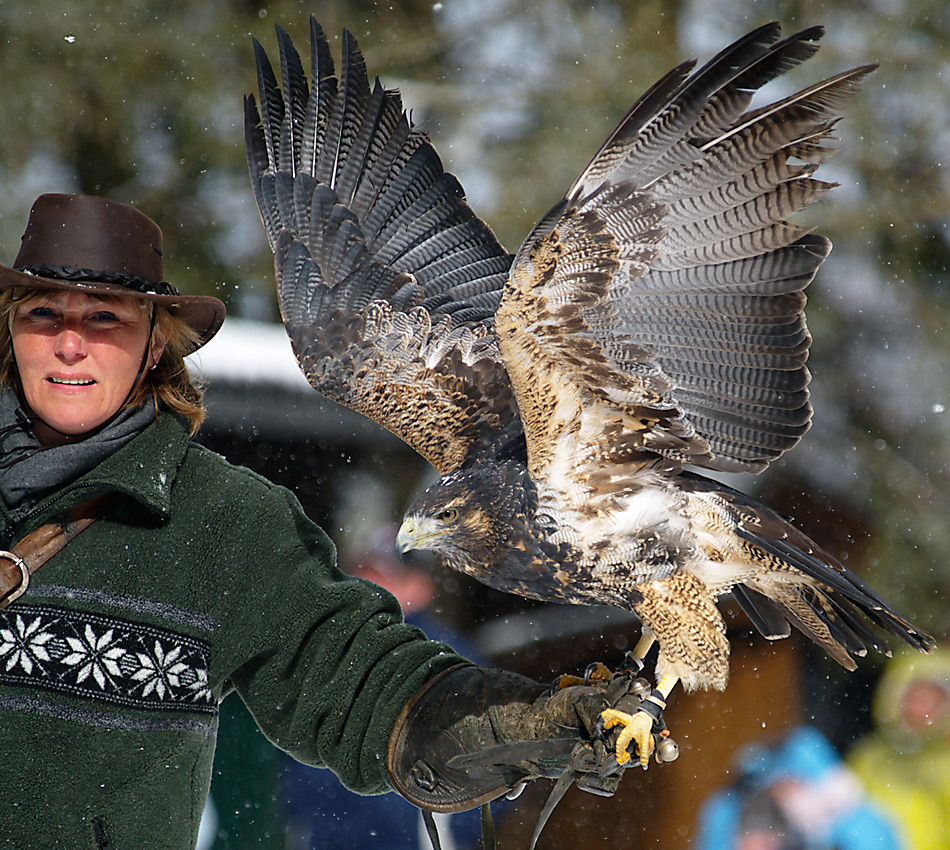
[(34, 550)]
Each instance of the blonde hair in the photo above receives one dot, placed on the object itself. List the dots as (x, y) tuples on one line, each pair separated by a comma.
[(168, 382)]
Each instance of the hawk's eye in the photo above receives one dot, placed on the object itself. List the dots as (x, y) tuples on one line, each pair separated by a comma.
[(448, 515)]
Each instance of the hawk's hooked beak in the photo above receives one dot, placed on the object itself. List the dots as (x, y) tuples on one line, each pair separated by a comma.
[(406, 537), (417, 533)]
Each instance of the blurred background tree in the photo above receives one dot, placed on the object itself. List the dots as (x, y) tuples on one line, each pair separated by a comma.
[(141, 101)]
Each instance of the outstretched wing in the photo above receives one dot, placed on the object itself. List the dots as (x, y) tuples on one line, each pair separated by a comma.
[(386, 279), (658, 308)]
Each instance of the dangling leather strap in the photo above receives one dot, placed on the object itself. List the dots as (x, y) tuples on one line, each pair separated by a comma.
[(34, 550)]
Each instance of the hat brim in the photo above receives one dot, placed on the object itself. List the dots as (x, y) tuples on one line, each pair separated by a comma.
[(203, 313)]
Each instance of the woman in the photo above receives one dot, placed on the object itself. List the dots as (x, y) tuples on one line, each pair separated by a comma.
[(195, 578)]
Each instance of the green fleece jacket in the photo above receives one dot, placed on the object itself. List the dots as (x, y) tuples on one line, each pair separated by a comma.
[(204, 578)]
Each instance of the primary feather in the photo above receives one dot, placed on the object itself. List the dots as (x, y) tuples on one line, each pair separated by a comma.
[(652, 319)]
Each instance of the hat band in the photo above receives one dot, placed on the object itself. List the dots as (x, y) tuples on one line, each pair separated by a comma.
[(75, 275)]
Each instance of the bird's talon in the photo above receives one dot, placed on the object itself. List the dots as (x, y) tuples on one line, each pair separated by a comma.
[(596, 673), (565, 680)]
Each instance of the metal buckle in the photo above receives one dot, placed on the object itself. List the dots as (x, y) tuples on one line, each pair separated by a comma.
[(20, 589)]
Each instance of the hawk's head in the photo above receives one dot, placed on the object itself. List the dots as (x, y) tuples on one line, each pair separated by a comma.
[(466, 518)]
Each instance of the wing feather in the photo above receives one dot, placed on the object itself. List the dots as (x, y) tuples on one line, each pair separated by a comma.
[(345, 115), (387, 281), (667, 288), (665, 125), (323, 93), (765, 615)]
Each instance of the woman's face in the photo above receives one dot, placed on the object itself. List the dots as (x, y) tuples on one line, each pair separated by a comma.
[(78, 356)]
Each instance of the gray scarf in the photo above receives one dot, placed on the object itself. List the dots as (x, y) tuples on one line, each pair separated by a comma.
[(29, 471)]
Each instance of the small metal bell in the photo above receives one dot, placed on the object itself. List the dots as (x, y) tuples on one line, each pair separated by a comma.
[(640, 688), (667, 750)]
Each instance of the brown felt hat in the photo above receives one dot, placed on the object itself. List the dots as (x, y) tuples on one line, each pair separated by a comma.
[(89, 244)]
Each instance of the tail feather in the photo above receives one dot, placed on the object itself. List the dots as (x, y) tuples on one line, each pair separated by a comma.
[(794, 580), (831, 575), (766, 615)]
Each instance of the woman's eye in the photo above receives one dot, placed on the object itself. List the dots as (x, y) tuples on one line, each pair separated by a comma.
[(42, 313), (105, 317)]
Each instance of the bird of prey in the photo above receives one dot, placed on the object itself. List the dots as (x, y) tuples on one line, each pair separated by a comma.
[(651, 321)]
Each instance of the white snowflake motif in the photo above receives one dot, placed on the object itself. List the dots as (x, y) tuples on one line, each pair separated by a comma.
[(96, 656), (160, 671), (198, 685), (24, 644)]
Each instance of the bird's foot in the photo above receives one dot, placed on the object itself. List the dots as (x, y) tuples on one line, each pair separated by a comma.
[(595, 674), (643, 726), (637, 729), (635, 706), (565, 680)]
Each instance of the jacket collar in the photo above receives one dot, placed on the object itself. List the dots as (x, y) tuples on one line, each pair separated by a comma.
[(145, 469)]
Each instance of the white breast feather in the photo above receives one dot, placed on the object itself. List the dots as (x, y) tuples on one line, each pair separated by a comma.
[(650, 508)]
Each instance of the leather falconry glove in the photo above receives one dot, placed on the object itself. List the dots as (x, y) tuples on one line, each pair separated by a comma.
[(473, 734)]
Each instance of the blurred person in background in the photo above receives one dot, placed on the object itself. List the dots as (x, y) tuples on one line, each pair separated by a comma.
[(795, 795), (905, 762)]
